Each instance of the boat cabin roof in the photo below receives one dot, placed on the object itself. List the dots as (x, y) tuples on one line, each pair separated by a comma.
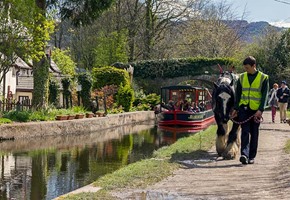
[(182, 87)]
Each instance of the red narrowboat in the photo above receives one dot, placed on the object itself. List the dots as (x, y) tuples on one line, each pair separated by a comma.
[(185, 105)]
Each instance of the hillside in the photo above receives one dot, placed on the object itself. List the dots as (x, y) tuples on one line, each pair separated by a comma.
[(250, 31)]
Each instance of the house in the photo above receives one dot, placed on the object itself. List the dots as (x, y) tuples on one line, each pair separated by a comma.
[(18, 82)]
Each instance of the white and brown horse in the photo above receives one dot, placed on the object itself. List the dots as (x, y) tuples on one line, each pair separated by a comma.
[(223, 99)]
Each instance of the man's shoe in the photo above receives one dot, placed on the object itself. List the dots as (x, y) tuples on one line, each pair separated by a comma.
[(251, 161), (244, 160)]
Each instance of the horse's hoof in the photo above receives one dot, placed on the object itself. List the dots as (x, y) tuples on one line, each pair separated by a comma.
[(228, 156)]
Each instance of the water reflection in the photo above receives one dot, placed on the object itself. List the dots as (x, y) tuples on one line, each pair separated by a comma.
[(46, 168)]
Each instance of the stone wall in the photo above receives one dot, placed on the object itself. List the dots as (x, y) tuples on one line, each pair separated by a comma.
[(72, 127)]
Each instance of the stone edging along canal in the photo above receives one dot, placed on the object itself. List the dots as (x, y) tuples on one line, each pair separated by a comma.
[(72, 127)]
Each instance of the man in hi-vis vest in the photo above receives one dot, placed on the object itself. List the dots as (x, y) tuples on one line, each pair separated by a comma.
[(251, 96)]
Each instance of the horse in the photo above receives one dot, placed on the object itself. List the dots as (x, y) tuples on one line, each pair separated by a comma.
[(223, 99)]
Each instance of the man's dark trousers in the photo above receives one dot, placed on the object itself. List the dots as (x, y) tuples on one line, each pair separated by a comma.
[(250, 133)]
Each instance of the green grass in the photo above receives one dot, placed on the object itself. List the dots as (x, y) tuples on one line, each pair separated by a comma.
[(190, 147), (137, 175), (5, 121), (100, 195), (162, 165), (287, 147)]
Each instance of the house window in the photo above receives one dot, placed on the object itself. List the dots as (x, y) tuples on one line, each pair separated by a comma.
[(24, 100)]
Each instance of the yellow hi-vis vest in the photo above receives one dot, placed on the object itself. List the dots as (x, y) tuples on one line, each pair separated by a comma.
[(252, 94)]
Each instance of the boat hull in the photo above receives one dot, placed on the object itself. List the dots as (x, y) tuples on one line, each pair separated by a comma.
[(195, 121)]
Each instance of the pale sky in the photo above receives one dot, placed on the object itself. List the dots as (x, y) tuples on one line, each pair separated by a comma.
[(274, 12)]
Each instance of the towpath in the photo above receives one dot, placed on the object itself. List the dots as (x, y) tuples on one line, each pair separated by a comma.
[(213, 179)]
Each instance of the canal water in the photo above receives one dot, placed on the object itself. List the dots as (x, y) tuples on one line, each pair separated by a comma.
[(45, 168)]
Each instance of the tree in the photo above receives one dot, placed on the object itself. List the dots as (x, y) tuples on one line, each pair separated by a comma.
[(13, 37), (111, 48), (63, 61), (209, 34), (80, 12), (270, 53)]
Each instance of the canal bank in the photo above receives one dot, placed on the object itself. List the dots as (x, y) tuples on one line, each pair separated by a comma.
[(146, 172), (72, 127)]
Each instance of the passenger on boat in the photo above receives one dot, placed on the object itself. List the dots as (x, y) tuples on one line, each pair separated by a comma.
[(186, 106), (170, 105), (194, 108), (202, 106), (178, 105), (166, 107)]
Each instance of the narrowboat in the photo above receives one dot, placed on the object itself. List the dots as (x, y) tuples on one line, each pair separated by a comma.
[(185, 106)]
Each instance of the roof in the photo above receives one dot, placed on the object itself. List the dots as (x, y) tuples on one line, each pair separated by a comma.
[(180, 87), (21, 64), (53, 67)]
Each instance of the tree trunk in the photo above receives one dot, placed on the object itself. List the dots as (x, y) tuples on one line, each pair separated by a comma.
[(148, 30), (40, 70), (41, 83)]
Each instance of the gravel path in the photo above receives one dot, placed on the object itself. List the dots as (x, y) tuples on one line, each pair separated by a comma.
[(213, 178)]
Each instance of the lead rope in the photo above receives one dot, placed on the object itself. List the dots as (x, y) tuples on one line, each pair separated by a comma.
[(242, 122)]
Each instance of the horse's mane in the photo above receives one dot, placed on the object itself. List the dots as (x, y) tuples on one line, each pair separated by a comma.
[(225, 83)]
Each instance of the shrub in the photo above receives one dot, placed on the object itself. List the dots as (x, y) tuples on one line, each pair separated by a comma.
[(125, 97), (18, 116), (151, 99), (109, 76), (78, 109)]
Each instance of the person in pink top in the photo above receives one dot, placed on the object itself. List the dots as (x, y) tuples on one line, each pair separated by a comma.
[(273, 100)]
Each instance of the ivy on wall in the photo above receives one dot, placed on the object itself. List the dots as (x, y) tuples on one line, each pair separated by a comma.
[(53, 96), (179, 67), (85, 81), (66, 92), (41, 84)]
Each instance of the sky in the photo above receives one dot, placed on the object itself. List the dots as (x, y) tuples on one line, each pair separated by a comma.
[(274, 12)]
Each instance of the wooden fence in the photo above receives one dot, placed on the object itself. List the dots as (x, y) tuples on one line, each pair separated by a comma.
[(9, 104)]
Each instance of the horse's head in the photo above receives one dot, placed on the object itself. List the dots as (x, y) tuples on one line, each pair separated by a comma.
[(223, 97)]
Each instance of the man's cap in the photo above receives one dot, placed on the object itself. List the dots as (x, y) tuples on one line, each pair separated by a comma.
[(284, 82)]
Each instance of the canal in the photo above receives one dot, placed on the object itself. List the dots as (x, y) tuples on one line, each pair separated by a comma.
[(45, 168)]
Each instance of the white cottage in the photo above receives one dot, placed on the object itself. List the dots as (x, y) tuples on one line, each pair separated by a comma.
[(18, 82)]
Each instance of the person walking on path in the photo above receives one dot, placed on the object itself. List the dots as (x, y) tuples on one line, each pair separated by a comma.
[(251, 95), (273, 101), (283, 94)]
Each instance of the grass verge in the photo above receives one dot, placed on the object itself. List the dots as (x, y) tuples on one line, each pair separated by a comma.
[(5, 121), (150, 171), (287, 147), (100, 195)]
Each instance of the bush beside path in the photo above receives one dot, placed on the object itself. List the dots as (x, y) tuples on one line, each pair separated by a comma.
[(214, 178)]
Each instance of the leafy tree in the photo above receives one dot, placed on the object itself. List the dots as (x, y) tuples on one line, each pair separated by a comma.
[(13, 37), (83, 11), (269, 52), (111, 48), (282, 50), (63, 61), (79, 11)]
